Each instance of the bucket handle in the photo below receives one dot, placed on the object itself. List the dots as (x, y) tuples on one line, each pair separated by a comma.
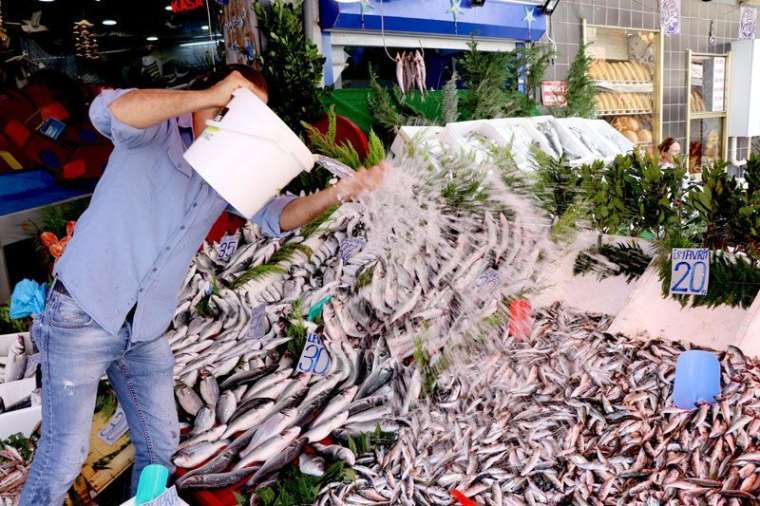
[(216, 124), (275, 139)]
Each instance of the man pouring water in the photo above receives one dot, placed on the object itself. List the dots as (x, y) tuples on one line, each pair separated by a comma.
[(116, 285)]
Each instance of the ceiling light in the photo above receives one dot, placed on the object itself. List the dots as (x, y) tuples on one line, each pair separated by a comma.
[(46, 1), (168, 8), (152, 38), (204, 28), (201, 43), (109, 22), (549, 6)]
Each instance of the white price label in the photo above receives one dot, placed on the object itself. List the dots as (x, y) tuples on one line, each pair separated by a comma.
[(168, 498), (314, 358), (227, 247), (350, 247), (489, 279), (115, 428), (690, 272), (258, 325)]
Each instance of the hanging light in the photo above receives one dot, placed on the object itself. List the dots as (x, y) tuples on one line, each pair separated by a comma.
[(109, 22), (84, 41), (168, 8), (549, 7), (151, 38)]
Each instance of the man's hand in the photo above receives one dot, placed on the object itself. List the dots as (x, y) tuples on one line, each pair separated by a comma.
[(363, 181), (221, 93), (304, 209)]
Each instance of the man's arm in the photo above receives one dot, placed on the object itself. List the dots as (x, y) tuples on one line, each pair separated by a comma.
[(304, 209), (145, 108)]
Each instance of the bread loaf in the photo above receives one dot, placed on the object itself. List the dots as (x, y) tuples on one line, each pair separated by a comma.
[(645, 136), (631, 135)]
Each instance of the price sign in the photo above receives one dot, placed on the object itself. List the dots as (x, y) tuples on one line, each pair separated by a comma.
[(258, 326), (554, 93), (350, 247), (168, 498), (690, 273), (227, 247), (488, 279), (115, 428), (314, 357)]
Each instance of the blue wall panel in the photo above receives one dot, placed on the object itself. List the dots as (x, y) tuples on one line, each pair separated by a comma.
[(434, 17)]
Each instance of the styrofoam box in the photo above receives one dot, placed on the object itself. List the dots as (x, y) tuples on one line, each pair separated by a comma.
[(7, 340), (585, 292), (569, 142), (427, 137), (607, 149)]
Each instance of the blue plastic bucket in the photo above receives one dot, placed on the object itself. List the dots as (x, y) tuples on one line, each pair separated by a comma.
[(697, 379)]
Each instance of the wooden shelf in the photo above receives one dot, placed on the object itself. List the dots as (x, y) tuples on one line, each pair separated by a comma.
[(706, 114), (626, 112), (626, 86)]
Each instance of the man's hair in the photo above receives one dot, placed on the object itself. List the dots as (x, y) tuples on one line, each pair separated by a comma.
[(209, 79)]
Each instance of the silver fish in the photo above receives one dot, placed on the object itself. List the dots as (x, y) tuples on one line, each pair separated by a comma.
[(226, 406), (204, 420), (192, 456), (249, 419), (188, 399), (209, 388), (269, 448), (312, 466)]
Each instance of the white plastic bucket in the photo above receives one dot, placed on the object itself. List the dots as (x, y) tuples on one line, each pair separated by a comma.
[(249, 155)]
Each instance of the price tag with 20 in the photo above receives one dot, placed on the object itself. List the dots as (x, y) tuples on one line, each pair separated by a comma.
[(690, 274)]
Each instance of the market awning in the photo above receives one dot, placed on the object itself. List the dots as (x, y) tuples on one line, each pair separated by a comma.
[(458, 18)]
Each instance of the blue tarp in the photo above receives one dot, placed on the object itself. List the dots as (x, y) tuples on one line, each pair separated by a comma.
[(34, 188)]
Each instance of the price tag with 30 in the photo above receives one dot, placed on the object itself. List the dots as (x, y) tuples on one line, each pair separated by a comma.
[(314, 357)]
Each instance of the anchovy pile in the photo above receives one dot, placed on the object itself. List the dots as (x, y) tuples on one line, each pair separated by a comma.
[(572, 415), (410, 267), (13, 472)]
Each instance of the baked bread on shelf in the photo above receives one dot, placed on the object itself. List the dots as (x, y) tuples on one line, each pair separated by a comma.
[(620, 71)]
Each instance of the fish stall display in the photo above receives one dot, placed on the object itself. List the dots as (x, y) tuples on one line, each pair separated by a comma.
[(14, 468), (570, 415), (415, 267)]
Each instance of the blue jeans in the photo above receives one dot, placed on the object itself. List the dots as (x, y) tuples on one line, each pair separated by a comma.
[(75, 353)]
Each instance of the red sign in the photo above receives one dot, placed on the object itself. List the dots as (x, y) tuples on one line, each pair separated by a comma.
[(186, 5), (554, 93)]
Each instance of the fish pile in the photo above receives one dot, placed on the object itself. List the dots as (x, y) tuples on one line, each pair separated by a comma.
[(13, 472), (571, 415), (417, 265)]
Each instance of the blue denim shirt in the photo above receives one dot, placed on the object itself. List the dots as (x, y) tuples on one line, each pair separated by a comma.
[(148, 216)]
